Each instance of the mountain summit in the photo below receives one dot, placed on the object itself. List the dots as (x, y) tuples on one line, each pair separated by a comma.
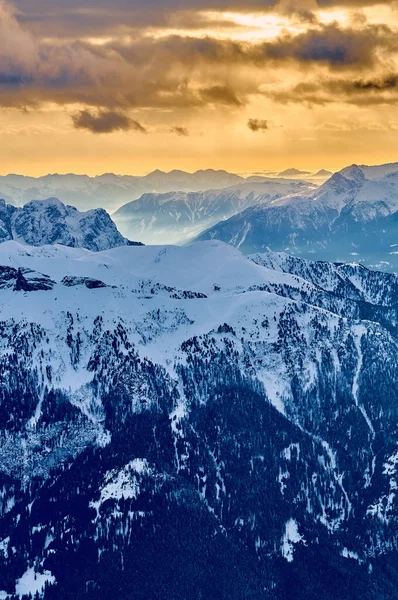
[(51, 222)]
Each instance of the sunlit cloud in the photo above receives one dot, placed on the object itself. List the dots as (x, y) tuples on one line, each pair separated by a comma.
[(340, 16), (180, 68), (257, 27)]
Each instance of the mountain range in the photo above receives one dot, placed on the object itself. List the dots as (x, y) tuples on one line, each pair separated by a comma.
[(190, 422), (352, 216), (178, 217), (110, 191)]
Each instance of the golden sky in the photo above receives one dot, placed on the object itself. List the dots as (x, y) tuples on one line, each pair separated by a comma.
[(93, 86)]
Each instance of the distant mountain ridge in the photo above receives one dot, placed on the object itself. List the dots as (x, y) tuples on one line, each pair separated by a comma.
[(51, 222), (109, 191)]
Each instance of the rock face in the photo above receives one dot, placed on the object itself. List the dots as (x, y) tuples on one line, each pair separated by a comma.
[(197, 424), (51, 222), (353, 214), (180, 216)]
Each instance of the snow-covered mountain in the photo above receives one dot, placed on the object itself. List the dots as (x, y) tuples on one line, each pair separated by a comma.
[(353, 214), (180, 216), (51, 222), (108, 191), (193, 423)]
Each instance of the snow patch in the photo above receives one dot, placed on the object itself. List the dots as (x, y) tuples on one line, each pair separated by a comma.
[(32, 582), (123, 484), (349, 554), (290, 539)]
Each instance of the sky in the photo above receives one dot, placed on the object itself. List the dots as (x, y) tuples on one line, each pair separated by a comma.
[(129, 86)]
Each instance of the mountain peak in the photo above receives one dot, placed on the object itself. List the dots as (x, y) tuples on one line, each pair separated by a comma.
[(156, 172), (48, 202), (42, 222), (344, 182), (354, 172), (323, 173)]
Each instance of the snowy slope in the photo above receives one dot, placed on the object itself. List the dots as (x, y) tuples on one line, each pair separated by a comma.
[(204, 285), (350, 280), (51, 222), (233, 410)]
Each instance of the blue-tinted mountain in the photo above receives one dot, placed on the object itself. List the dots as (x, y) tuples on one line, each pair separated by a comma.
[(180, 216), (353, 216), (109, 191)]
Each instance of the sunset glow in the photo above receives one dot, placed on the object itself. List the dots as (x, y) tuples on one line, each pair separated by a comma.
[(66, 69)]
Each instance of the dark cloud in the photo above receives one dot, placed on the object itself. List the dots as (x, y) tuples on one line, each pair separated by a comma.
[(218, 94), (353, 3), (105, 122), (74, 18), (372, 91), (303, 11), (329, 45), (96, 17), (359, 92), (388, 82), (334, 46), (181, 131), (310, 94), (124, 6), (258, 125)]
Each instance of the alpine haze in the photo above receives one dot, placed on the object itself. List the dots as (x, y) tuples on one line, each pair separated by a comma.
[(178, 217)]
